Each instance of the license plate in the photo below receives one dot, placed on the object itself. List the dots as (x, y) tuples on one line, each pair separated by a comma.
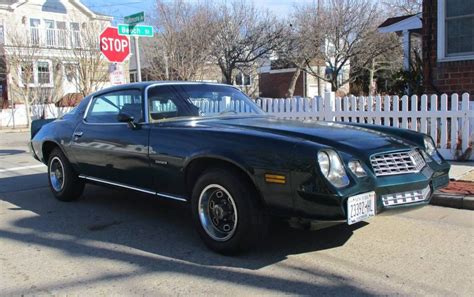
[(360, 207)]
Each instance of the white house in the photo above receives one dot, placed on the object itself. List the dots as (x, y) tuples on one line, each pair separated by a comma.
[(48, 48)]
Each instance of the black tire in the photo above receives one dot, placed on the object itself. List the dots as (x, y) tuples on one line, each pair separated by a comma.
[(70, 187), (251, 223)]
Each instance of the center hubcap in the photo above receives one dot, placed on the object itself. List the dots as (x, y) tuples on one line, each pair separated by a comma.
[(218, 212)]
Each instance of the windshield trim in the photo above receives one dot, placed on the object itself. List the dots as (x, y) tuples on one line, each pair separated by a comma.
[(216, 117)]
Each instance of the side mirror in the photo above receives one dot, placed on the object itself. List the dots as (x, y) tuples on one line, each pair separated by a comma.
[(126, 118)]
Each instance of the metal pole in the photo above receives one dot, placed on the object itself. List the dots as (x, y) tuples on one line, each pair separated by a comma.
[(13, 114), (167, 74), (137, 60)]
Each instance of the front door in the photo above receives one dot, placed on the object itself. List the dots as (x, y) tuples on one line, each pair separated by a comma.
[(110, 150)]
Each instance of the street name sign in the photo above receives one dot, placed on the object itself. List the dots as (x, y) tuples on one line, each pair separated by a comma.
[(135, 18), (138, 30)]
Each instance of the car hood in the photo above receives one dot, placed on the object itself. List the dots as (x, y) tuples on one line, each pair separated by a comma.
[(341, 136)]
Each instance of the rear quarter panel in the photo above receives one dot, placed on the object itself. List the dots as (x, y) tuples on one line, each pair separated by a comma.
[(58, 131)]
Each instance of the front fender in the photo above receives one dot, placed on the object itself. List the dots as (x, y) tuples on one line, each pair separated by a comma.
[(222, 155)]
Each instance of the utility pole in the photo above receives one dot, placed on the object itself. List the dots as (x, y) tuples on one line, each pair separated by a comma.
[(137, 59)]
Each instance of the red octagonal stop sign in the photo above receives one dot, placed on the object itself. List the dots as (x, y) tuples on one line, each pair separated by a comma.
[(115, 47)]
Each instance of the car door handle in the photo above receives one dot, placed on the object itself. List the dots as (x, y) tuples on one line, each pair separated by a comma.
[(78, 134)]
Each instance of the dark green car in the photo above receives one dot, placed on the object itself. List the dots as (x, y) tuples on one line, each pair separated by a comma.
[(210, 146)]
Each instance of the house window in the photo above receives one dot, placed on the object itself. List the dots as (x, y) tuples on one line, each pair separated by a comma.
[(44, 74), (36, 74), (75, 35), (133, 77), (50, 33), (455, 33), (61, 33), (242, 79), (34, 31), (2, 35)]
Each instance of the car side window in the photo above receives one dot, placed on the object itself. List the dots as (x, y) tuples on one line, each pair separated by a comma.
[(105, 108), (165, 102)]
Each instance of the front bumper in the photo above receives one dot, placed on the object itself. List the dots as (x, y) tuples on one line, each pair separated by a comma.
[(397, 191), (32, 150)]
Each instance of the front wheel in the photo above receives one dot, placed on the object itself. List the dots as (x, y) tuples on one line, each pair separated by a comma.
[(226, 212), (63, 181)]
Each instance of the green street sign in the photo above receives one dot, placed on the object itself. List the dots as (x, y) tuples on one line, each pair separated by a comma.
[(135, 18), (139, 30)]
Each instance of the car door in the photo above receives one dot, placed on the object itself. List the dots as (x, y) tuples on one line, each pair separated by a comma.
[(112, 151), (170, 144)]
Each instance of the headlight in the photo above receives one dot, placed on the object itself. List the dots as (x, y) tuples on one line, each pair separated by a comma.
[(429, 146), (431, 149), (357, 168), (332, 168), (324, 163)]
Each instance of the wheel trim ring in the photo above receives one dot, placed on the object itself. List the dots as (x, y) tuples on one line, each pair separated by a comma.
[(56, 184), (205, 219)]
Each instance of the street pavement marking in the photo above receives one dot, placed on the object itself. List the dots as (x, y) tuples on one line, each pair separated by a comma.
[(22, 168)]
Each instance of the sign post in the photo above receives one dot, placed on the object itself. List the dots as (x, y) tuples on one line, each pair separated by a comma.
[(132, 29), (137, 59)]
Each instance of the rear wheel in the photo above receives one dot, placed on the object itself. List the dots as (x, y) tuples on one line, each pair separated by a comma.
[(226, 213), (63, 181)]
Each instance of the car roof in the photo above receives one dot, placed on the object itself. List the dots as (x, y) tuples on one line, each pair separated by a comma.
[(144, 84)]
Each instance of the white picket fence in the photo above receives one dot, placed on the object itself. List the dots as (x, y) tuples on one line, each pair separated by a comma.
[(450, 121), (17, 117)]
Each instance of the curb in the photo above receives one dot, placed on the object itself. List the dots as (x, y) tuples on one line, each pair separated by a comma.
[(453, 200)]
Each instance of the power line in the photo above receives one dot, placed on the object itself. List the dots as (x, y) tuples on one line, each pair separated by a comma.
[(111, 5)]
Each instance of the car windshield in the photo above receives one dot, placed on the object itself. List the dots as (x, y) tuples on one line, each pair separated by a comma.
[(198, 100)]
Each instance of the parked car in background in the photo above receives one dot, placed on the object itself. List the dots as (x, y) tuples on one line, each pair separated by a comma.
[(210, 146)]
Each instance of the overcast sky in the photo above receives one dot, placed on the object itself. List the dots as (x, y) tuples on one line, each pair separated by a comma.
[(120, 8)]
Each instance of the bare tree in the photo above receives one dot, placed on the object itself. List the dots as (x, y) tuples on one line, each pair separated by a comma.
[(244, 35), (32, 81), (382, 53), (347, 27), (303, 43), (87, 68), (183, 41), (402, 7)]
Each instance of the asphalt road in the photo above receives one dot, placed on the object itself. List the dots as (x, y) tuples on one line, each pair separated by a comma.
[(123, 243)]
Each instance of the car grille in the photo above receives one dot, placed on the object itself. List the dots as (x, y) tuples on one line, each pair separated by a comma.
[(397, 163), (406, 197)]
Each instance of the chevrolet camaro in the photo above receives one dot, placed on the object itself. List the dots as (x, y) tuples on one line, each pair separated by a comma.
[(210, 146)]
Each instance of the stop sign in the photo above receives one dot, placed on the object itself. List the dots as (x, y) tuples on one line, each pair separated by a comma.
[(115, 47)]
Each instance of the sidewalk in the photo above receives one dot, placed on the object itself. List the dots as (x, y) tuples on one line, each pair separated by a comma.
[(16, 130), (460, 191)]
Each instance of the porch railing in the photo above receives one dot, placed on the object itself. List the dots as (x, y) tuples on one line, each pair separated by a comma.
[(55, 38)]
